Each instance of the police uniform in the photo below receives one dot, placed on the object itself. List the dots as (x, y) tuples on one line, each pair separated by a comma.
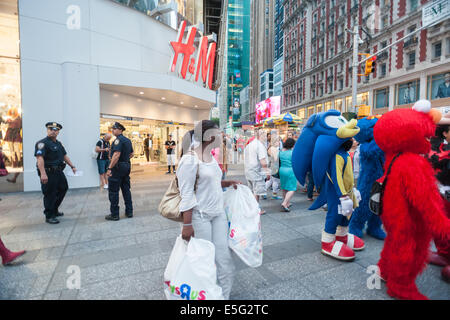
[(120, 176), (55, 189)]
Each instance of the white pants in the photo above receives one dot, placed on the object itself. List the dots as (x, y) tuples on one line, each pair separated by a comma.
[(215, 229), (274, 183), (171, 159)]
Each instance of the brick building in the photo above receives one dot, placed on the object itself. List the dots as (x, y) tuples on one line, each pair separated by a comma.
[(318, 55)]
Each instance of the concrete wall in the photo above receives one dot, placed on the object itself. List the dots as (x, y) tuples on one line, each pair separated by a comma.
[(62, 70)]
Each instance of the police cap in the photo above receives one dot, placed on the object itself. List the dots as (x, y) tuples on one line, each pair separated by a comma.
[(53, 125), (117, 125)]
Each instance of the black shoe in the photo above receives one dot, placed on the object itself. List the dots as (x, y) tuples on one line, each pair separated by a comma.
[(168, 172), (129, 215), (60, 214), (112, 218), (52, 221)]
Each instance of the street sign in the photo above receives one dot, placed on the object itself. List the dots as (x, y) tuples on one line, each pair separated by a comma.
[(435, 11)]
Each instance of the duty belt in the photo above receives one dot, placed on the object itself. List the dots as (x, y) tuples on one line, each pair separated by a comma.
[(55, 168)]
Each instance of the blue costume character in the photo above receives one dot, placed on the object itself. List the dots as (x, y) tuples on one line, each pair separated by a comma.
[(371, 159), (322, 148)]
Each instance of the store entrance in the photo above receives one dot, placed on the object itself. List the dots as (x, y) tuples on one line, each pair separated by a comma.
[(138, 129)]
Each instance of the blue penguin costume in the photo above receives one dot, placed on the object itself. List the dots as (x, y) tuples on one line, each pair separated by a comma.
[(372, 160), (320, 150)]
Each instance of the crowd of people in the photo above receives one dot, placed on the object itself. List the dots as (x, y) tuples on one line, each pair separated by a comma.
[(338, 165)]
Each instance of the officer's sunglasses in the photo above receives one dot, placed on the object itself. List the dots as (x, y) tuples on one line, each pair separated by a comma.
[(54, 129)]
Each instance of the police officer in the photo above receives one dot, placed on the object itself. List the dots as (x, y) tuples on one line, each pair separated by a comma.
[(51, 161), (119, 173)]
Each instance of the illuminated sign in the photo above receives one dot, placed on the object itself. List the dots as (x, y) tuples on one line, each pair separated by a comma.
[(267, 108), (206, 56)]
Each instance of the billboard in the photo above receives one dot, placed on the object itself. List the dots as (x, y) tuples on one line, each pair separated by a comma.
[(267, 108)]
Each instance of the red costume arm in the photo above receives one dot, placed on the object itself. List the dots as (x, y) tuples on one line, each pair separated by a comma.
[(422, 193)]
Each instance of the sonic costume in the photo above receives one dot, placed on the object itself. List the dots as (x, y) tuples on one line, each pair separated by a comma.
[(372, 160), (320, 149)]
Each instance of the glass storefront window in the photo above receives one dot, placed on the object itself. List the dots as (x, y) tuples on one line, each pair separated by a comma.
[(137, 130), (407, 92), (362, 98), (381, 98), (301, 113), (348, 103), (327, 105), (319, 108), (310, 111), (338, 105), (11, 156), (439, 86)]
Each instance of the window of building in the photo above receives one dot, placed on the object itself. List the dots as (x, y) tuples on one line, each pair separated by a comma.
[(362, 98), (301, 113), (448, 46), (413, 5), (412, 58), (310, 111), (383, 70), (381, 98), (330, 87), (348, 102), (327, 106), (341, 84), (407, 92), (437, 50), (343, 11), (384, 22), (438, 86), (319, 108), (315, 18), (338, 105)]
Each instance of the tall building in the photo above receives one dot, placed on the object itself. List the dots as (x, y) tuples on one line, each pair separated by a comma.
[(318, 55), (262, 48), (238, 55), (278, 64)]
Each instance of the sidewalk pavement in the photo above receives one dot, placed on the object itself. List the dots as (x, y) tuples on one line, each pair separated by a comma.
[(126, 259)]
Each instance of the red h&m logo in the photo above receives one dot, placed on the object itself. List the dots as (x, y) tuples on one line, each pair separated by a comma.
[(205, 57)]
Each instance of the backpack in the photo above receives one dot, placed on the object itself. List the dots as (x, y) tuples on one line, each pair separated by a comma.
[(377, 191), (95, 153)]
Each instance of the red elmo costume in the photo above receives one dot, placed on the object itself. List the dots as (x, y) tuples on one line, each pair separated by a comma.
[(413, 210)]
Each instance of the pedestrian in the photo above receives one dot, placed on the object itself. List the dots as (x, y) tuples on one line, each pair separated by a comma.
[(148, 145), (7, 255), (51, 161), (171, 154), (103, 148), (287, 177), (240, 148), (274, 164), (255, 165), (200, 183), (119, 173)]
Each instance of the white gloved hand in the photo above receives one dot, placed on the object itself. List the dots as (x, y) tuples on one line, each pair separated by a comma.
[(357, 195), (346, 206)]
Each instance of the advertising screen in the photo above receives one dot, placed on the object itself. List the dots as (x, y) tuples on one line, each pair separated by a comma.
[(267, 108)]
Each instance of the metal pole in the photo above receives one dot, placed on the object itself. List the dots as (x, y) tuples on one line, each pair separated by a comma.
[(355, 67)]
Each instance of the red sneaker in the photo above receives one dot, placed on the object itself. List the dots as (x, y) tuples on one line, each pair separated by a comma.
[(338, 250), (352, 241)]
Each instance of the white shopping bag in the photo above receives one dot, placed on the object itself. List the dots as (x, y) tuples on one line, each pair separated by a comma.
[(191, 271), (244, 234)]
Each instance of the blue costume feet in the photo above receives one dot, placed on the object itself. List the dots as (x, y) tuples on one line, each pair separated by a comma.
[(377, 233), (356, 231)]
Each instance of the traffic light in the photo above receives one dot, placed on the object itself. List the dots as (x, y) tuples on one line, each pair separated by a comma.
[(370, 66)]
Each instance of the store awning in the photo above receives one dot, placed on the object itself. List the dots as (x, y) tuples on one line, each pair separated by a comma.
[(283, 118)]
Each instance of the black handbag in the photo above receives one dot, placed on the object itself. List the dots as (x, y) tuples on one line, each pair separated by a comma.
[(377, 192)]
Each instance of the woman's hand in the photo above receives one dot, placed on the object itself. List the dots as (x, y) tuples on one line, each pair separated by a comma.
[(187, 233), (229, 183)]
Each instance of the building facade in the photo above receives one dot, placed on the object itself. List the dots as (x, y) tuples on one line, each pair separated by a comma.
[(87, 64), (262, 47), (278, 57), (318, 55)]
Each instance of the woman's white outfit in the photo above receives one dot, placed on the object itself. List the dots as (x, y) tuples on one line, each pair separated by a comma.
[(208, 218)]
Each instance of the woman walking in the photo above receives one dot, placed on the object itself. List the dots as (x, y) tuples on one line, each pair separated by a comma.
[(200, 183), (287, 177)]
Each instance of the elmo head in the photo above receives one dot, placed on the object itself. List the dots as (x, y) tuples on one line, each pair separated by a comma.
[(405, 130)]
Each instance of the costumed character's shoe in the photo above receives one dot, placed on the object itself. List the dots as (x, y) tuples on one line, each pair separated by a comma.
[(352, 241), (438, 260), (405, 292), (336, 249), (376, 233), (446, 273), (7, 255)]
